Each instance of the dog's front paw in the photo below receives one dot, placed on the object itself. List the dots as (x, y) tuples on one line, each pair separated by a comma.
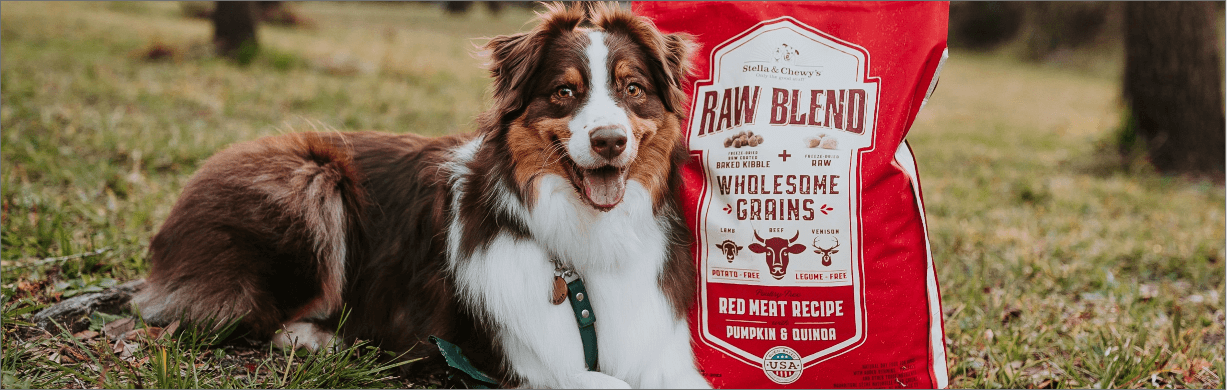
[(596, 380), (299, 335)]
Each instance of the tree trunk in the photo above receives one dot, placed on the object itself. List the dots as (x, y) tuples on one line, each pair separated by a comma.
[(1173, 83), (234, 29), (457, 7)]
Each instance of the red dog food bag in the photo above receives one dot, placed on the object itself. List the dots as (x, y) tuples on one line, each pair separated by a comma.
[(810, 241)]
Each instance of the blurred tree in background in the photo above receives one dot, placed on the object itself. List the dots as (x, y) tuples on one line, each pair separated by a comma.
[(1053, 26), (983, 25), (235, 23), (1171, 60), (1173, 84), (463, 7), (234, 30), (1039, 28), (460, 7)]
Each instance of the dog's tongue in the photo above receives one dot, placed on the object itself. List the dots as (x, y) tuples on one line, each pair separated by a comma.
[(604, 186)]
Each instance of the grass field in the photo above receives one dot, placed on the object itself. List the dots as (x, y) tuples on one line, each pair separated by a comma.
[(1061, 265)]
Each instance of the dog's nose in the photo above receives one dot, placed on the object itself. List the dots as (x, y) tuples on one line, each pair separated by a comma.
[(608, 141)]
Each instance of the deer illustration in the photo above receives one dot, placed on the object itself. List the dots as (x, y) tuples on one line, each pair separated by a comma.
[(820, 242)]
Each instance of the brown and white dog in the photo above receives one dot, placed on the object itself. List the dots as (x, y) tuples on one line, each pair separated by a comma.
[(577, 160)]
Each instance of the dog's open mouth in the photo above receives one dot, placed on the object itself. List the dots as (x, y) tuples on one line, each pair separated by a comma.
[(603, 187)]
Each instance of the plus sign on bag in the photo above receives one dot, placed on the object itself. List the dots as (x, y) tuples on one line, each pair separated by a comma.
[(810, 241)]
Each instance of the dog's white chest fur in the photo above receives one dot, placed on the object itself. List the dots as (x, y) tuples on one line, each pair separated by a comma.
[(619, 254)]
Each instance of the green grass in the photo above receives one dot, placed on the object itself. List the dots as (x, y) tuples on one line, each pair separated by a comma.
[(1061, 265), (97, 142), (187, 358)]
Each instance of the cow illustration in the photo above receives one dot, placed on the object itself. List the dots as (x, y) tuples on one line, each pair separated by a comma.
[(824, 247), (729, 248), (777, 250)]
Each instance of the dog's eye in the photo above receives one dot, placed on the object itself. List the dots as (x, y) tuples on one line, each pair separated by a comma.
[(634, 90), (564, 92)]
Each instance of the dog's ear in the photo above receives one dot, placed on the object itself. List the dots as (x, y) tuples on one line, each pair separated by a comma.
[(513, 59), (676, 59), (669, 53)]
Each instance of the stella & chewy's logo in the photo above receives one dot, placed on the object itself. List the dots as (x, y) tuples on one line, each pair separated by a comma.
[(782, 59), (782, 365)]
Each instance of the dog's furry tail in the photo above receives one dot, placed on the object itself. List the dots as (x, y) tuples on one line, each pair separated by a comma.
[(263, 232)]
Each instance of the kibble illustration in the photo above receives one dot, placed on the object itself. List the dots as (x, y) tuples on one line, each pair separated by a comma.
[(744, 138)]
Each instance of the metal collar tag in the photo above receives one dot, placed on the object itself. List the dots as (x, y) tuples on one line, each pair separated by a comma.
[(581, 304)]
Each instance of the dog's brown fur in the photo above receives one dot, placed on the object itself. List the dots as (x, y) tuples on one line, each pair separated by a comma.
[(292, 227)]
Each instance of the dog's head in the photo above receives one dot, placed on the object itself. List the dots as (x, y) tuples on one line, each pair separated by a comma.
[(594, 97)]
